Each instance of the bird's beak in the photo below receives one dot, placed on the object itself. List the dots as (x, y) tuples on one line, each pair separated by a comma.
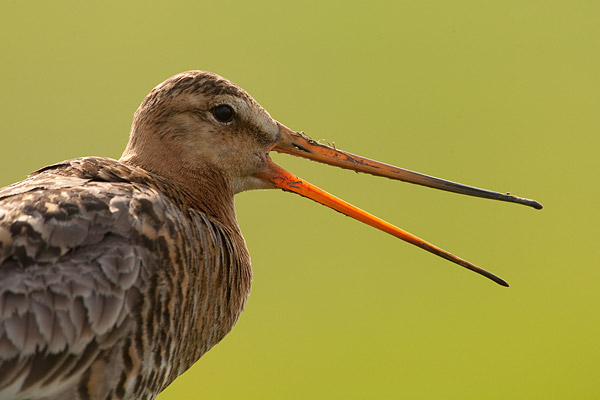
[(298, 144)]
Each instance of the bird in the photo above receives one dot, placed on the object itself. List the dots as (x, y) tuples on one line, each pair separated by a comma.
[(117, 275)]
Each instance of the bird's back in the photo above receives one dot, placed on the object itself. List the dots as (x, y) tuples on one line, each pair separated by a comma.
[(111, 285)]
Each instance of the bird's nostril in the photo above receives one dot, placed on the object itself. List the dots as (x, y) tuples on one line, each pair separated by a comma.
[(301, 148)]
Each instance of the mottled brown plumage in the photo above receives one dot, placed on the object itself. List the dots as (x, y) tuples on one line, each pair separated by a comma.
[(116, 276)]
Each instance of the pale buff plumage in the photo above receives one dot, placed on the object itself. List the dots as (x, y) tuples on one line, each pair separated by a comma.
[(116, 276)]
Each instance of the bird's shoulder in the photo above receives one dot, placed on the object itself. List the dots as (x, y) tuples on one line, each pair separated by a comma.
[(79, 242), (78, 203)]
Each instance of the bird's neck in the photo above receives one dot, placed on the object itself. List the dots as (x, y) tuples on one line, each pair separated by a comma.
[(211, 193), (202, 188)]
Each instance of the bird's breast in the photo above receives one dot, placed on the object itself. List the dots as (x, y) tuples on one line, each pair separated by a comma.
[(107, 273)]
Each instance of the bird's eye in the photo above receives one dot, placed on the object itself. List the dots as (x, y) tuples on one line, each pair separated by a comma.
[(223, 113)]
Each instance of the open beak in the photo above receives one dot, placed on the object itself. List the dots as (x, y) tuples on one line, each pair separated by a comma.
[(297, 144)]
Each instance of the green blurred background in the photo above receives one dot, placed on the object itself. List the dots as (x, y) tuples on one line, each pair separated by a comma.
[(505, 96)]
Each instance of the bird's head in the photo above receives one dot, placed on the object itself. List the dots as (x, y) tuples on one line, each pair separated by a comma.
[(198, 124), (197, 121)]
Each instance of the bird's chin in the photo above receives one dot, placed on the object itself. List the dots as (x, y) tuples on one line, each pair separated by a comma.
[(249, 183)]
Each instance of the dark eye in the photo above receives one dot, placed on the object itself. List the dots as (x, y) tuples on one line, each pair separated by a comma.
[(223, 113)]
